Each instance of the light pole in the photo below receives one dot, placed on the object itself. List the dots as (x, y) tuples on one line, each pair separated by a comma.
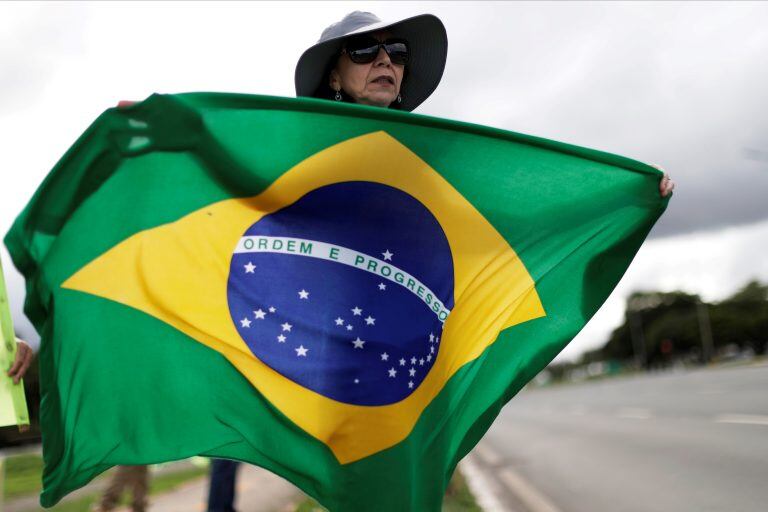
[(705, 331), (634, 317)]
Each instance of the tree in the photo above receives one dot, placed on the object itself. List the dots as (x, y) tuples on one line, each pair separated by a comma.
[(662, 327)]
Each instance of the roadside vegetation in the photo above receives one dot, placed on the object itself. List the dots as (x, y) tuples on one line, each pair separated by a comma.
[(663, 330)]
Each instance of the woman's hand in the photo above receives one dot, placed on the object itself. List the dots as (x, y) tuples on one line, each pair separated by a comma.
[(666, 185), (24, 356)]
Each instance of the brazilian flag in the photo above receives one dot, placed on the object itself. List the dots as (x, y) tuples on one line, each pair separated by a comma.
[(344, 295)]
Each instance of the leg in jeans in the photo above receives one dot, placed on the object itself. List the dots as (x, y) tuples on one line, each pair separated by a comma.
[(221, 494)]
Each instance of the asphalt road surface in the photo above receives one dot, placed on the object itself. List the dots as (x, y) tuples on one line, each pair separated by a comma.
[(675, 442)]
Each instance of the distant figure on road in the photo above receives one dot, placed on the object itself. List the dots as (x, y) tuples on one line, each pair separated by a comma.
[(135, 477)]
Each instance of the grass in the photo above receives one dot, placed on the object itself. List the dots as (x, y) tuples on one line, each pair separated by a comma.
[(458, 498), (22, 476), (158, 485), (309, 505), (23, 472), (170, 481)]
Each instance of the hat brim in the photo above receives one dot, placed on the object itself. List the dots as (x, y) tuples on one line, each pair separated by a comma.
[(427, 43)]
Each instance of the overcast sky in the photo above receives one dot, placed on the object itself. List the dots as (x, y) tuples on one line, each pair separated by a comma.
[(682, 85)]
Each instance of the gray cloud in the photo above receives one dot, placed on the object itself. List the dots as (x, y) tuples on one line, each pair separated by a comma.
[(681, 85), (676, 84)]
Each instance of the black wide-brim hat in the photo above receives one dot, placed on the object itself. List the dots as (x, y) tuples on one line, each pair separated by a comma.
[(427, 44)]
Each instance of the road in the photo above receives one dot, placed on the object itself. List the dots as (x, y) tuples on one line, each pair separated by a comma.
[(695, 441)]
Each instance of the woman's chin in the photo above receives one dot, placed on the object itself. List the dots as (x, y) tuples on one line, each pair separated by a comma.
[(382, 99)]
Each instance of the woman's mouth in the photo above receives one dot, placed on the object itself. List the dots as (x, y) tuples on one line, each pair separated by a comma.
[(383, 80)]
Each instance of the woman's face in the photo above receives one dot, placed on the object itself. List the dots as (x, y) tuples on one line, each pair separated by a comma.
[(376, 83)]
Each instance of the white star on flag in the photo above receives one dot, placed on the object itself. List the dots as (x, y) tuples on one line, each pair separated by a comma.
[(382, 286), (392, 372), (357, 381), (301, 351), (259, 314), (412, 372), (384, 356), (413, 360), (421, 362), (356, 311), (349, 327), (304, 294), (272, 309), (402, 362), (281, 339), (358, 342), (249, 268), (370, 320), (339, 321), (432, 350), (429, 357), (387, 255), (286, 326), (431, 337), (410, 384), (245, 322)]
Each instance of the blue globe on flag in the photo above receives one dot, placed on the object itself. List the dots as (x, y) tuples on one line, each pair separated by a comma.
[(345, 291)]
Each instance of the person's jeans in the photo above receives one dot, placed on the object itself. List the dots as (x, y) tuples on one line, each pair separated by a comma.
[(221, 493)]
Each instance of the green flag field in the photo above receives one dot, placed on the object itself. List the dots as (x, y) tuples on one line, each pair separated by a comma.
[(341, 294)]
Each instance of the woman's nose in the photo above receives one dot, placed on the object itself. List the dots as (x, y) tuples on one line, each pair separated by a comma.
[(382, 59)]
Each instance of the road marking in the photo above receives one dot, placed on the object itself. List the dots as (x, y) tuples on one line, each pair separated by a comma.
[(742, 419), (487, 455), (634, 413), (481, 486), (533, 500)]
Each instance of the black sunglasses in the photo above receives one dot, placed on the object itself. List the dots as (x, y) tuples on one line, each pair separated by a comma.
[(363, 50)]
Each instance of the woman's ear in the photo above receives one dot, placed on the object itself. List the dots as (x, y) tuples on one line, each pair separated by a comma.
[(334, 80)]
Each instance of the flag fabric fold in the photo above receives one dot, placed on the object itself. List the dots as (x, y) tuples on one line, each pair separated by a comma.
[(341, 294)]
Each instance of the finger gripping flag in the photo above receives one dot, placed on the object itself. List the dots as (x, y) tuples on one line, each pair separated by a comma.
[(341, 294)]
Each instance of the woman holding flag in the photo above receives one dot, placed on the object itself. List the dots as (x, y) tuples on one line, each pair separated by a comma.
[(362, 59)]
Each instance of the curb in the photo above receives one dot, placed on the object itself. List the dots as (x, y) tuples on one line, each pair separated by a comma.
[(489, 478), (481, 486)]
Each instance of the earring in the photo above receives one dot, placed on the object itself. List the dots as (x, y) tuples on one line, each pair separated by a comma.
[(399, 99), (337, 97)]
